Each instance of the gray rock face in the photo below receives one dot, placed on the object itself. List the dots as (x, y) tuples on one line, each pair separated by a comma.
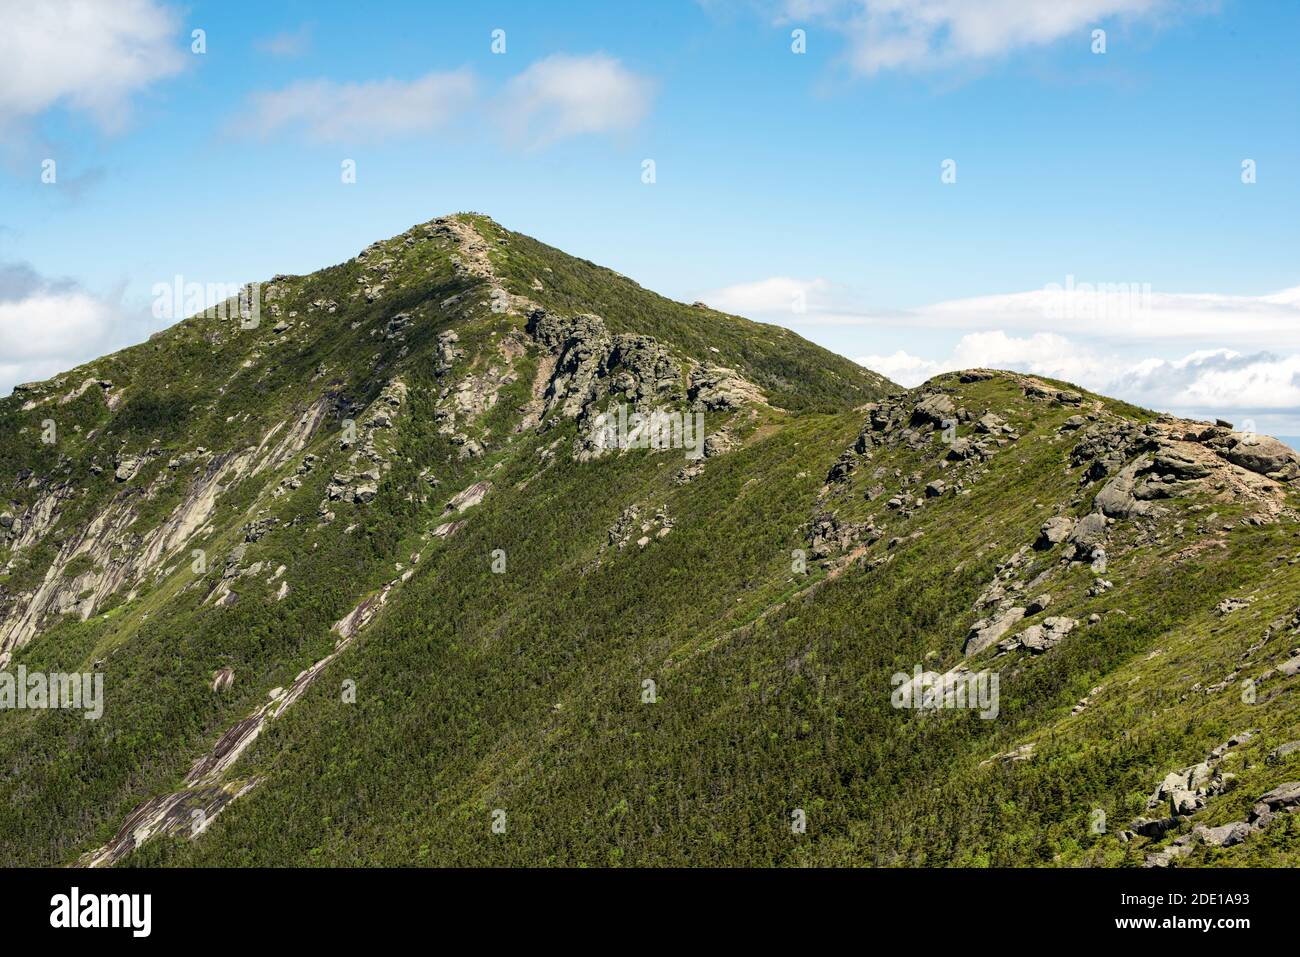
[(1224, 836), (1169, 461), (1039, 638), (590, 363), (128, 466), (448, 352), (1116, 498), (1038, 604), (934, 409), (985, 632), (1054, 531), (581, 344), (1090, 530), (1283, 796), (1265, 455), (643, 369), (962, 449), (715, 388), (469, 497)]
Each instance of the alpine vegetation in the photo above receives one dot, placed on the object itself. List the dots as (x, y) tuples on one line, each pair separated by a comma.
[(959, 688), (477, 553), (84, 692)]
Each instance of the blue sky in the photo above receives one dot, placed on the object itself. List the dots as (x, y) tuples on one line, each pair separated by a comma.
[(800, 188)]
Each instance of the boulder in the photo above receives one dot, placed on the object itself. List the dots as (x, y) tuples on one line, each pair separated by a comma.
[(1169, 461), (984, 633), (1223, 836), (1039, 638), (1183, 802), (1283, 796), (1265, 455), (1089, 531), (935, 409), (1116, 499), (715, 388), (1054, 531), (1282, 751), (128, 466), (961, 449)]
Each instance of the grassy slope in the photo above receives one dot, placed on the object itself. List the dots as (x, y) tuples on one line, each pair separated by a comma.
[(458, 713), (522, 691), (206, 383)]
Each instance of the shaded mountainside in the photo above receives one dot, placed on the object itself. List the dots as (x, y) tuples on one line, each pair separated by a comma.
[(366, 586)]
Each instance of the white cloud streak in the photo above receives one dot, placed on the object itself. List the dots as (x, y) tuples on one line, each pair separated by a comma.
[(928, 34), (563, 96), (349, 112), (553, 99)]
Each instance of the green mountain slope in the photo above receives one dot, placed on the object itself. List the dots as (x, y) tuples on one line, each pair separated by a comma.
[(447, 624)]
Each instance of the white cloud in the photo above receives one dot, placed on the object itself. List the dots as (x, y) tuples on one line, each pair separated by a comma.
[(286, 44), (1043, 353), (1219, 378), (48, 327), (1201, 384), (924, 34), (777, 294), (1167, 351), (563, 96), (88, 56), (552, 99), (1126, 310), (350, 112)]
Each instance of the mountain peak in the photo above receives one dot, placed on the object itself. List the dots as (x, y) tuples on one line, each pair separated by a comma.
[(448, 517)]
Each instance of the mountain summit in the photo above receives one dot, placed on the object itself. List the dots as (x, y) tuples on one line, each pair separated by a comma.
[(466, 551)]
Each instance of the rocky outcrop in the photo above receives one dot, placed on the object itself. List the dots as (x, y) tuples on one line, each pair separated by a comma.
[(1187, 791), (1040, 637), (205, 792), (1116, 498), (468, 497), (935, 409), (119, 555), (987, 631), (715, 388), (1054, 531), (1262, 454)]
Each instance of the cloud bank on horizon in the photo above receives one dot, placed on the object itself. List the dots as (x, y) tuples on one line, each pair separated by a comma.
[(1121, 339)]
